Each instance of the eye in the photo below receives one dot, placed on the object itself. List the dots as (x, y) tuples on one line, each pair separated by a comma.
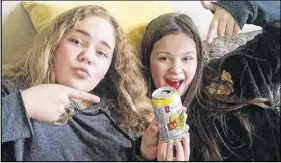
[(162, 58), (76, 42), (101, 53), (186, 59)]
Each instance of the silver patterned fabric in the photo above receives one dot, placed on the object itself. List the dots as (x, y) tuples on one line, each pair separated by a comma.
[(223, 45)]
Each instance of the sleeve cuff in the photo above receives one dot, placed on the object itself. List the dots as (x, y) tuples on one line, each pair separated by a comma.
[(15, 123)]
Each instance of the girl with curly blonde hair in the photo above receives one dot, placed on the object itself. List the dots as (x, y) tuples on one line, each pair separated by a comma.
[(79, 95)]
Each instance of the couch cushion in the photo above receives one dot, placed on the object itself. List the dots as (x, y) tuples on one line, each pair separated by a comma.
[(30, 17), (133, 16)]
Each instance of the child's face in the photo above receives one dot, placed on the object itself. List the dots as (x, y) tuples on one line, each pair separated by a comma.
[(173, 62), (83, 57)]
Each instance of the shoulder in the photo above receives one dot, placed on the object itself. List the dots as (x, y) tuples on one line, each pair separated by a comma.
[(8, 87)]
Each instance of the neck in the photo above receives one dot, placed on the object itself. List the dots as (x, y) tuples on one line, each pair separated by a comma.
[(83, 104)]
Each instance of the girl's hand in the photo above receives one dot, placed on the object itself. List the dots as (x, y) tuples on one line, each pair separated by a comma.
[(166, 150), (47, 102), (150, 139), (222, 22)]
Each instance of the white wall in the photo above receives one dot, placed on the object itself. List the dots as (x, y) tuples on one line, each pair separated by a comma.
[(201, 17)]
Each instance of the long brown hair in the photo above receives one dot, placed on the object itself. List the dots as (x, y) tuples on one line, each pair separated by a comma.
[(127, 84), (160, 27), (207, 113)]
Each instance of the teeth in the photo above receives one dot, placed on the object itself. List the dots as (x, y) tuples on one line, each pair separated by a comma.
[(174, 80), (174, 83)]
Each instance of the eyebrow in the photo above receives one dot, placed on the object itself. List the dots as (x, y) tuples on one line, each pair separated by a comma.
[(159, 52), (85, 33)]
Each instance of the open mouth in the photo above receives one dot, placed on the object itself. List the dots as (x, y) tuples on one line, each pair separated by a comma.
[(174, 83)]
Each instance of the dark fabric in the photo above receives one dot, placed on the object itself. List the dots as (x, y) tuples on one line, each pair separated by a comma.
[(252, 12), (91, 135), (255, 71)]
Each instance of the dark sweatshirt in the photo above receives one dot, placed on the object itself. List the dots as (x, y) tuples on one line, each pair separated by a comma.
[(91, 135), (255, 72)]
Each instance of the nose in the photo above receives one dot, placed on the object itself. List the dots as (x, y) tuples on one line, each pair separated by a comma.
[(87, 56), (175, 67)]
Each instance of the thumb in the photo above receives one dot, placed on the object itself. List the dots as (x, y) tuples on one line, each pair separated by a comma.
[(153, 128), (208, 5), (151, 133)]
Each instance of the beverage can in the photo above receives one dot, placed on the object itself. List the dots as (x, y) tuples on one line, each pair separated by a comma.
[(169, 113)]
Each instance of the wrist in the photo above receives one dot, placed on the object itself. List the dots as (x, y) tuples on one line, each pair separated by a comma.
[(25, 103), (145, 155)]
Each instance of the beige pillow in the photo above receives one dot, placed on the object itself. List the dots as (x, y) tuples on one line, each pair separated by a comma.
[(17, 35), (18, 29)]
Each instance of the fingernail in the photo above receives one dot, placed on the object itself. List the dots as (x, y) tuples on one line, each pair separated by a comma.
[(97, 99)]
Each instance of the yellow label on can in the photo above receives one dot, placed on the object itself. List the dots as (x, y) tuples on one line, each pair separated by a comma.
[(165, 101), (162, 102), (176, 122)]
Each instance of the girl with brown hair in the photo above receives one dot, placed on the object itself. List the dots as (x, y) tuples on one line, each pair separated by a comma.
[(233, 102)]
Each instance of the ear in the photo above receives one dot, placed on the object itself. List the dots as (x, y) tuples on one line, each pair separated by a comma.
[(57, 44)]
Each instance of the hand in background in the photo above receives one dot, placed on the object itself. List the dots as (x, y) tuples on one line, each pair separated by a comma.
[(47, 102), (222, 22)]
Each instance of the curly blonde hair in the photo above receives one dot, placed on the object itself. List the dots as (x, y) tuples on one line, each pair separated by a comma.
[(125, 70)]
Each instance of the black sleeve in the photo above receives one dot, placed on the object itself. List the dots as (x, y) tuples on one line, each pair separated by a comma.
[(15, 124), (261, 13)]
